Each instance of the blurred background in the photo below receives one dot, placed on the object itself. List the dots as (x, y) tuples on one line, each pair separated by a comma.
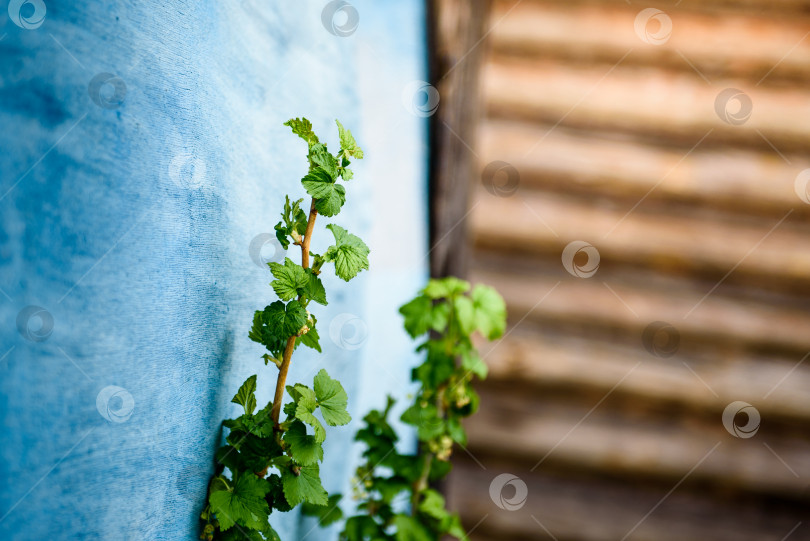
[(633, 180)]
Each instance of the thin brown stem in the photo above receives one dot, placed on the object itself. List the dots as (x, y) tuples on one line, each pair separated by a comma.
[(288, 349), (308, 235)]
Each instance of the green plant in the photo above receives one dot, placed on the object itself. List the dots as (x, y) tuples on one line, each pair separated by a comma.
[(447, 312), (239, 502)]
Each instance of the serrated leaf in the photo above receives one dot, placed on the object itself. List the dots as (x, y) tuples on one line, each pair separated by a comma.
[(329, 195), (347, 143), (246, 396), (490, 311), (314, 288), (323, 159), (332, 399), (311, 338), (243, 503), (290, 279), (303, 448), (349, 253), (262, 334), (303, 129), (305, 405), (285, 320), (304, 487)]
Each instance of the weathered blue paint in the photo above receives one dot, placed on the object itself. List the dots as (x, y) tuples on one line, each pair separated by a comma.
[(130, 222)]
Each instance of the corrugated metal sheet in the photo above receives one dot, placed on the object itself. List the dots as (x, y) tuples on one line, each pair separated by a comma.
[(612, 126)]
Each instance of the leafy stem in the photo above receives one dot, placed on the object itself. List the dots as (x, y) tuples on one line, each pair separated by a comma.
[(241, 494)]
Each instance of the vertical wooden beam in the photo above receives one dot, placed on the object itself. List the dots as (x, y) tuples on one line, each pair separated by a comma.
[(456, 41)]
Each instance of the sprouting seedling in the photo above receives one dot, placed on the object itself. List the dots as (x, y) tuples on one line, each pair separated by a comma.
[(259, 443)]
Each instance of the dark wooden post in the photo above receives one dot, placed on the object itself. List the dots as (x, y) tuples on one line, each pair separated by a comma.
[(456, 39)]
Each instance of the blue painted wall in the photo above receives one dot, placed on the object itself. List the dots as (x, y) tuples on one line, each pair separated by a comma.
[(142, 154)]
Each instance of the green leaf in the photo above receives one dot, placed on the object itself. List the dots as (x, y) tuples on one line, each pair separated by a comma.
[(349, 253), (410, 529), (304, 487), (243, 503), (347, 143), (246, 396), (432, 505), (290, 278), (452, 526), (303, 448), (332, 399), (305, 405), (311, 338), (446, 287), (490, 311), (471, 361), (326, 514), (314, 288), (323, 159), (284, 320), (329, 196), (465, 313), (421, 315), (303, 129), (262, 334)]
